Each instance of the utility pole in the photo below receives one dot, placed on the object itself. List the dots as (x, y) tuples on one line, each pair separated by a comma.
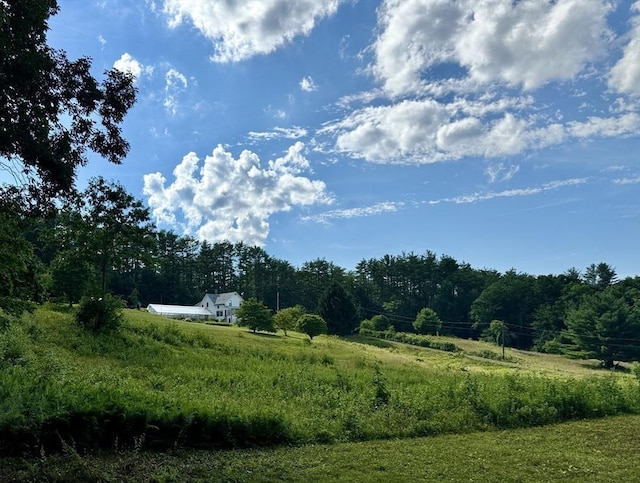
[(502, 336)]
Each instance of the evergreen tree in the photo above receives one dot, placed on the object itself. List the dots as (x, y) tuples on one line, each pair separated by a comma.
[(337, 309), (606, 326)]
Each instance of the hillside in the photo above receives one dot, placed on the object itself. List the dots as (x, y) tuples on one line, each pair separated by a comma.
[(162, 384)]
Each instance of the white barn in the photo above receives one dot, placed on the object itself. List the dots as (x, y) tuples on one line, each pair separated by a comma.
[(220, 307)]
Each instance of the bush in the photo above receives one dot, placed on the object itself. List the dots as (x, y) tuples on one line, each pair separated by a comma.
[(99, 314)]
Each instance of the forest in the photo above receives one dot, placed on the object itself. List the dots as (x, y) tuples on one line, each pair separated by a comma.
[(103, 241)]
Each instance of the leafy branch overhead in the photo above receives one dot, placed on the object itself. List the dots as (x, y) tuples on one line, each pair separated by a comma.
[(52, 110)]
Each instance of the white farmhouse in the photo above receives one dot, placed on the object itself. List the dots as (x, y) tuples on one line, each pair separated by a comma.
[(220, 307)]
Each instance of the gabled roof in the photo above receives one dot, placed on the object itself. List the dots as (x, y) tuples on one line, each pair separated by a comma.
[(178, 310), (222, 298)]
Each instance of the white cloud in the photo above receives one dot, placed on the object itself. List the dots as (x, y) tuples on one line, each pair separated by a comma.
[(523, 44), (240, 30), (625, 75), (175, 84), (102, 40), (624, 125), (553, 185), (307, 84), (635, 180), (127, 63), (376, 209), (501, 172), (224, 198), (426, 131), (295, 132)]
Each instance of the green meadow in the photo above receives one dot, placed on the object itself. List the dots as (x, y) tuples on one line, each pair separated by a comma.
[(159, 387)]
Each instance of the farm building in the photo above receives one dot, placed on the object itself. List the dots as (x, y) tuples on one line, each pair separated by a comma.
[(220, 307)]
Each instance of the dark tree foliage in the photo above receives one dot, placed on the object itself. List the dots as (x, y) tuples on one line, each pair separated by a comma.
[(52, 110), (337, 309), (511, 299), (20, 268), (106, 231), (606, 326), (100, 313)]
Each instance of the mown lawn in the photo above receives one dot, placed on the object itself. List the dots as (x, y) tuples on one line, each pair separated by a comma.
[(602, 450)]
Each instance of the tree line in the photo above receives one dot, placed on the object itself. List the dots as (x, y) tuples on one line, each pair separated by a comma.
[(103, 241)]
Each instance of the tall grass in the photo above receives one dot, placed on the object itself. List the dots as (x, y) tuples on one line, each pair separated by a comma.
[(160, 384)]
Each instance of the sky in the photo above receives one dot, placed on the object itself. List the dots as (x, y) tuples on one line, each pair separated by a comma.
[(505, 134)]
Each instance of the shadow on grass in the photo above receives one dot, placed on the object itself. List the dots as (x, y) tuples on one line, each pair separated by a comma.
[(599, 366), (262, 334), (363, 339)]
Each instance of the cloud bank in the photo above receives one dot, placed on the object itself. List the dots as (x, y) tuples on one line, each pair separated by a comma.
[(466, 79)]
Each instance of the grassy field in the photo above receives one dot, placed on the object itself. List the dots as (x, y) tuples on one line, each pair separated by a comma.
[(171, 386), (599, 451)]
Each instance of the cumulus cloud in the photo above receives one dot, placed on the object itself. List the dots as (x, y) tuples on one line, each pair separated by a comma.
[(462, 78), (127, 63), (307, 84), (427, 131), (224, 198), (517, 43), (240, 30), (625, 74)]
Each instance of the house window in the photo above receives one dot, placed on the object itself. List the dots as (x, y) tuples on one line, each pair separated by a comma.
[(207, 304), (219, 313)]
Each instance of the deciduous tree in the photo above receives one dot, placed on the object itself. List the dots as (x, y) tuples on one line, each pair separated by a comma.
[(52, 110), (255, 316), (312, 325), (287, 318), (427, 322)]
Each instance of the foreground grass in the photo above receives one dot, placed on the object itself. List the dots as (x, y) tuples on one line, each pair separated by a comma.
[(162, 385), (603, 450)]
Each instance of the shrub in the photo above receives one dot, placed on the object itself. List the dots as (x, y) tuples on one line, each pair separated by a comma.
[(412, 339), (98, 314), (380, 322)]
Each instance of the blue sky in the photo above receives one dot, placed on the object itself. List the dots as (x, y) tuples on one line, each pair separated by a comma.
[(504, 134)]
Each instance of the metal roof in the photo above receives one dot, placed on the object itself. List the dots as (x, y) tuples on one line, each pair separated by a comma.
[(178, 310)]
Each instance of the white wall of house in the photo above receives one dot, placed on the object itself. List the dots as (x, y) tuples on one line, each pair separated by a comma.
[(222, 306)]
